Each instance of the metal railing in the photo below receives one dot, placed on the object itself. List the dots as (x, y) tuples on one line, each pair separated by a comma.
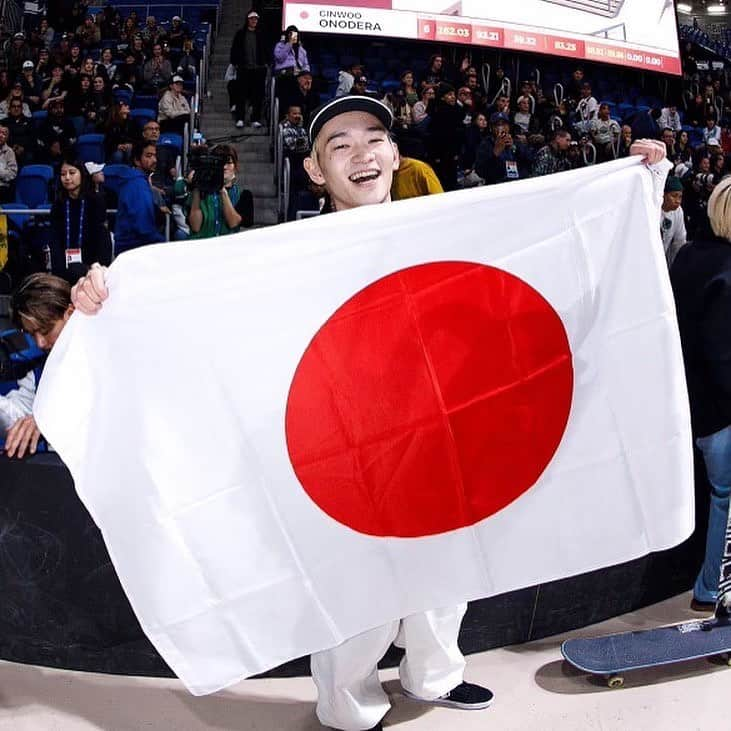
[(5, 211), (285, 190)]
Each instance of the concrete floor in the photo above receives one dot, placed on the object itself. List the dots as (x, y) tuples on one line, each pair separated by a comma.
[(534, 690)]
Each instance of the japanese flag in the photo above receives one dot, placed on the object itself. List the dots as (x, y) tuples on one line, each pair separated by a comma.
[(295, 434)]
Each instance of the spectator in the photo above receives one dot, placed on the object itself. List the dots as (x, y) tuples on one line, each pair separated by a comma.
[(101, 100), (107, 63), (137, 48), (625, 141), (712, 132), (526, 124), (120, 133), (474, 137), (465, 104), (16, 92), (218, 214), (718, 165), (188, 61), (151, 33), (290, 57), (43, 67), (89, 33), (21, 133), (167, 158), (129, 30), (45, 34), (79, 102), (8, 167), (128, 74), (347, 77), (408, 87), (683, 148), (78, 224), (672, 219), (173, 111), (136, 209), (696, 112), (587, 108), (669, 118), (88, 66), (157, 71), (446, 136), (360, 84), (18, 52), (434, 74), (303, 96), (396, 102), (498, 159), (62, 53), (56, 135), (668, 138), (31, 86), (294, 134), (73, 66), (701, 279), (554, 157), (604, 132), (421, 111), (40, 307), (414, 178), (6, 85), (55, 87), (111, 22), (248, 56), (575, 86), (177, 33)]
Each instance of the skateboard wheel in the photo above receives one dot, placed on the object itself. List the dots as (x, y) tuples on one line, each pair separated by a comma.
[(615, 681)]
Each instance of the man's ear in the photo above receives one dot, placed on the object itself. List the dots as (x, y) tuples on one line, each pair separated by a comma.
[(68, 313), (313, 170), (396, 156)]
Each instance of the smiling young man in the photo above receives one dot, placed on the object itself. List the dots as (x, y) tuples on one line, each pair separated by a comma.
[(354, 158)]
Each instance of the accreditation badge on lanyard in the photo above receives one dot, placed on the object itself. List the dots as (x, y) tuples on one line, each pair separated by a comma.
[(511, 170), (73, 255)]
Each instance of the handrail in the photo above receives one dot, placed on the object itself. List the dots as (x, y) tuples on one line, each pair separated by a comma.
[(285, 189), (589, 160), (47, 212), (558, 92)]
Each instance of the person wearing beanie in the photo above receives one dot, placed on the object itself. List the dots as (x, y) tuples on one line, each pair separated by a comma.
[(672, 219)]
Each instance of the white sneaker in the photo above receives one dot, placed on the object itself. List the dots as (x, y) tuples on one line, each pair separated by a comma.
[(256, 125), (233, 107), (240, 123)]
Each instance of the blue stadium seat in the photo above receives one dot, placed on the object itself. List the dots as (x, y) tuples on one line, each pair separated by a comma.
[(39, 117), (79, 124), (144, 101), (90, 148), (32, 185), (172, 140), (123, 95), (142, 116)]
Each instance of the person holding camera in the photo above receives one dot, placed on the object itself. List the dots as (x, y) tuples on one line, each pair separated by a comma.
[(216, 206)]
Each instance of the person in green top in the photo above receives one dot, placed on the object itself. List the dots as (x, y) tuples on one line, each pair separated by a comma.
[(225, 212)]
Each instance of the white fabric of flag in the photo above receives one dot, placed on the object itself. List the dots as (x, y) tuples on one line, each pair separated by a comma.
[(170, 410)]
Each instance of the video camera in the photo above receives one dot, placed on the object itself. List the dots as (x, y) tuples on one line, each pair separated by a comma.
[(208, 167)]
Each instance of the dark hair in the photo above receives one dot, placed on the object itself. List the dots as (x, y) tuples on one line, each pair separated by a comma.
[(41, 299), (227, 152), (86, 184), (139, 148)]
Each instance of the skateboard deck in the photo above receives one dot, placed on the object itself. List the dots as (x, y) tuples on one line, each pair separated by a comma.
[(618, 653)]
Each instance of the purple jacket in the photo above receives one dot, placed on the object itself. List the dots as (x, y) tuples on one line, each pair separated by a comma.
[(284, 58)]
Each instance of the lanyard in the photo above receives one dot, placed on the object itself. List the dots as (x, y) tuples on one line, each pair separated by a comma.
[(217, 214), (68, 225)]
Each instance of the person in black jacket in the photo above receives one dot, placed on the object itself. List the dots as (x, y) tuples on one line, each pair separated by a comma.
[(701, 279), (446, 136), (248, 56), (78, 224)]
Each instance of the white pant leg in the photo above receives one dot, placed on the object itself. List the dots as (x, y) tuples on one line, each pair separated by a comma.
[(349, 694), (433, 663)]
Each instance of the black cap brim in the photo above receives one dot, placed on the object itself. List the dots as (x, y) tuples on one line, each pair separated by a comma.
[(343, 104)]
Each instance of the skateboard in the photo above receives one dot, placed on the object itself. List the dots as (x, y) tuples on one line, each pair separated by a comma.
[(612, 655)]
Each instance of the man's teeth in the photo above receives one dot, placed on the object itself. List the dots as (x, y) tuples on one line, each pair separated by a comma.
[(364, 176)]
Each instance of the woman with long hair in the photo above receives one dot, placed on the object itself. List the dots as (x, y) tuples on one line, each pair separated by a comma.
[(408, 87), (101, 100), (78, 223), (683, 148), (120, 132), (290, 57)]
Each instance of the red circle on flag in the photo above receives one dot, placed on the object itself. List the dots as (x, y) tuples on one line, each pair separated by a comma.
[(430, 400)]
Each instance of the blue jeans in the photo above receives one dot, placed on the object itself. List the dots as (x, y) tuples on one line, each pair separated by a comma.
[(716, 450)]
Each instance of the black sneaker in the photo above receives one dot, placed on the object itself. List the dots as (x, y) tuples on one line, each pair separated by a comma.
[(467, 696)]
